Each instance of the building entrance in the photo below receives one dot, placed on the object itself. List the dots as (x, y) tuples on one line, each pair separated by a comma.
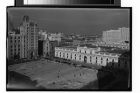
[(85, 59)]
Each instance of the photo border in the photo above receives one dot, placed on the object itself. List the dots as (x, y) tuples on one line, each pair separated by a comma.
[(103, 7)]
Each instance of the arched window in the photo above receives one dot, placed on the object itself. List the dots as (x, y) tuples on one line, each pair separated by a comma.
[(67, 55), (79, 57), (75, 56), (96, 59), (113, 60), (60, 54), (101, 60), (90, 58), (107, 60), (71, 56)]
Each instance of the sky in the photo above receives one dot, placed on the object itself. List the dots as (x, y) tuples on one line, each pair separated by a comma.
[(88, 21)]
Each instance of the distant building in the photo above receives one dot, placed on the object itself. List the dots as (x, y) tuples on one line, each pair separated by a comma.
[(14, 46), (91, 55), (123, 46), (49, 48), (121, 35), (40, 48), (55, 37)]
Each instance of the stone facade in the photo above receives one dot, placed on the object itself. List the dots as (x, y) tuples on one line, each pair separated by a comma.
[(87, 55)]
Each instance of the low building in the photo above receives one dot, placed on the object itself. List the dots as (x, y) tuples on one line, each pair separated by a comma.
[(91, 55), (49, 48)]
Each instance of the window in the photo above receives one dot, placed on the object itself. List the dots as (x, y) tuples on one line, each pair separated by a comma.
[(71, 56), (67, 55), (85, 51), (107, 60), (96, 59), (101, 60), (112, 60), (80, 57), (60, 54), (90, 58)]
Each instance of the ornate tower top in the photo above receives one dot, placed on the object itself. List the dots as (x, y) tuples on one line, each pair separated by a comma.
[(26, 18)]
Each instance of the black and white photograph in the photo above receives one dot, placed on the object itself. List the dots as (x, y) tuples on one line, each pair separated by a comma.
[(68, 49)]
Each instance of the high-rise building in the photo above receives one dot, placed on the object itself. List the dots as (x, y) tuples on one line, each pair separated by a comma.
[(116, 36), (29, 38), (23, 44)]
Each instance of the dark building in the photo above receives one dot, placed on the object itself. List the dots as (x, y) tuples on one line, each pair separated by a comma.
[(40, 48)]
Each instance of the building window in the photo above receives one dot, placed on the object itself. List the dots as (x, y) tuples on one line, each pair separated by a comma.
[(80, 57), (113, 60), (101, 60), (85, 51), (60, 54), (90, 58), (75, 56), (96, 59), (71, 56), (67, 55), (107, 60)]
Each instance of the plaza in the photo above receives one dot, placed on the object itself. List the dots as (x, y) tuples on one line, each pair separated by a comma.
[(54, 75)]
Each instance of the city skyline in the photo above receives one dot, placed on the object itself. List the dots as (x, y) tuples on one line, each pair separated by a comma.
[(79, 21)]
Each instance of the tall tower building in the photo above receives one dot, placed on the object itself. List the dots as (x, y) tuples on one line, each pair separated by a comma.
[(29, 38)]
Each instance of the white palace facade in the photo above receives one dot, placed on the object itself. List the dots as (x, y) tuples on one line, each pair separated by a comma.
[(88, 55)]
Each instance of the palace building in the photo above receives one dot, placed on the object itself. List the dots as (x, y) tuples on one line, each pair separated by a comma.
[(91, 55)]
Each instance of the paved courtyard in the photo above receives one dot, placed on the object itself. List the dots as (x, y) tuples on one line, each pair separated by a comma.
[(53, 75)]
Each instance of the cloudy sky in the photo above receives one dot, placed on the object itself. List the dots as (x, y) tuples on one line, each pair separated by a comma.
[(90, 21)]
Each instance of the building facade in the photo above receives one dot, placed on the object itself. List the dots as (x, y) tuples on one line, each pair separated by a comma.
[(87, 55), (121, 35), (49, 48), (29, 38), (14, 46), (25, 43)]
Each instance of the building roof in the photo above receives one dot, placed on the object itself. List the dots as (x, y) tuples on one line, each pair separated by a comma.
[(69, 47), (88, 46), (114, 51)]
